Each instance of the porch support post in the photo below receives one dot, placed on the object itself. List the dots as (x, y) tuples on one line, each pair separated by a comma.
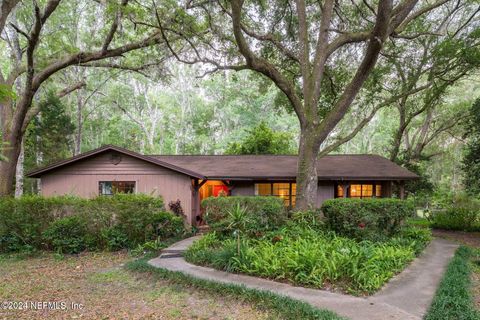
[(196, 199), (401, 189), (229, 185), (195, 202), (345, 187)]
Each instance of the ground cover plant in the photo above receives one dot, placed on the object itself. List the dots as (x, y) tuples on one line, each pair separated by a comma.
[(453, 299), (356, 251), (72, 225), (315, 258)]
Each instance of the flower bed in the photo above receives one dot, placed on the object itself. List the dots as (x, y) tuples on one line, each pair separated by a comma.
[(313, 257)]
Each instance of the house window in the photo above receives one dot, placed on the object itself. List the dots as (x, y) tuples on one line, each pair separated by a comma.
[(287, 191), (359, 190), (108, 188), (378, 190), (339, 191)]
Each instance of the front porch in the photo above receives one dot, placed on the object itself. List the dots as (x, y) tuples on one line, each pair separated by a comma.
[(202, 189)]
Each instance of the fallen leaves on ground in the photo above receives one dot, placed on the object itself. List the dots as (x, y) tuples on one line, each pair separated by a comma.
[(98, 283)]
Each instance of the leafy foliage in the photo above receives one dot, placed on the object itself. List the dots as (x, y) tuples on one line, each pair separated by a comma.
[(310, 257), (115, 238), (176, 207), (366, 218), (262, 140), (459, 212), (67, 235), (471, 160), (453, 299), (259, 213), (71, 224)]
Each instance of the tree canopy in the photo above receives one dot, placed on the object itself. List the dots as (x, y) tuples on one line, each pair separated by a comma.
[(262, 140), (193, 77)]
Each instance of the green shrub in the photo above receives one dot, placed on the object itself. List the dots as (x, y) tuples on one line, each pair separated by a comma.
[(114, 238), (262, 213), (23, 220), (459, 212), (167, 225), (67, 235), (308, 218), (464, 219), (366, 218), (124, 220), (453, 211), (416, 238), (453, 299), (309, 257)]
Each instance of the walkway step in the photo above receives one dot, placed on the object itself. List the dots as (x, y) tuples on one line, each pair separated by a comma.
[(172, 251), (170, 256)]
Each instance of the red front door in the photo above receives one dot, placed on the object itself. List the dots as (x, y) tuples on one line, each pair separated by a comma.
[(220, 190)]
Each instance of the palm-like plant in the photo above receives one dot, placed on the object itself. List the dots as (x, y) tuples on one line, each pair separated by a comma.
[(238, 222)]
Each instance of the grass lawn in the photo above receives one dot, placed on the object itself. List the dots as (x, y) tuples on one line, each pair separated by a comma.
[(108, 291)]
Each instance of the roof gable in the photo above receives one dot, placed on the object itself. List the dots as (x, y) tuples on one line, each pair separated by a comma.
[(108, 148)]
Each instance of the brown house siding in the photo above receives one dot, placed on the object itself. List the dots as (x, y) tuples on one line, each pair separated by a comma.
[(82, 178), (243, 188), (326, 190)]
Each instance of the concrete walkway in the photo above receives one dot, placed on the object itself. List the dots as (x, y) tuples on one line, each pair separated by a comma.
[(406, 296)]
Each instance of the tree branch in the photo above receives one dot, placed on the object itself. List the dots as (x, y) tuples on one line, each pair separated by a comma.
[(114, 26), (70, 89), (6, 8), (375, 44), (261, 65)]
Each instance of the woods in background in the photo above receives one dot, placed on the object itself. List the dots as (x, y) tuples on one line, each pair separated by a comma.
[(395, 79)]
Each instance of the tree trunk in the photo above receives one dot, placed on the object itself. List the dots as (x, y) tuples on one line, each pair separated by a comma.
[(8, 168), (19, 172), (307, 177), (78, 138), (397, 139)]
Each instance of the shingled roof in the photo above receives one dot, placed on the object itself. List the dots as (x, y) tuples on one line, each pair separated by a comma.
[(331, 167), (249, 167)]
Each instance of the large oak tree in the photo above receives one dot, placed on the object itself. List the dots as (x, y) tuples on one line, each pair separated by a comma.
[(43, 28), (318, 53)]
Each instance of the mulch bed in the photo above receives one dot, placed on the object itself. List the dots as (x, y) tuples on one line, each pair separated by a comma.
[(471, 239)]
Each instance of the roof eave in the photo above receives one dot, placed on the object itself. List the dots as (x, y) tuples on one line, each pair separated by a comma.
[(39, 172), (322, 178)]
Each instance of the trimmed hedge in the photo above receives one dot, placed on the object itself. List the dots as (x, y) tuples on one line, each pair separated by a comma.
[(453, 299), (262, 213), (70, 224), (366, 218)]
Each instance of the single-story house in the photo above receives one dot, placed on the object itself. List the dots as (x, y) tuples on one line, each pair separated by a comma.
[(191, 178)]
